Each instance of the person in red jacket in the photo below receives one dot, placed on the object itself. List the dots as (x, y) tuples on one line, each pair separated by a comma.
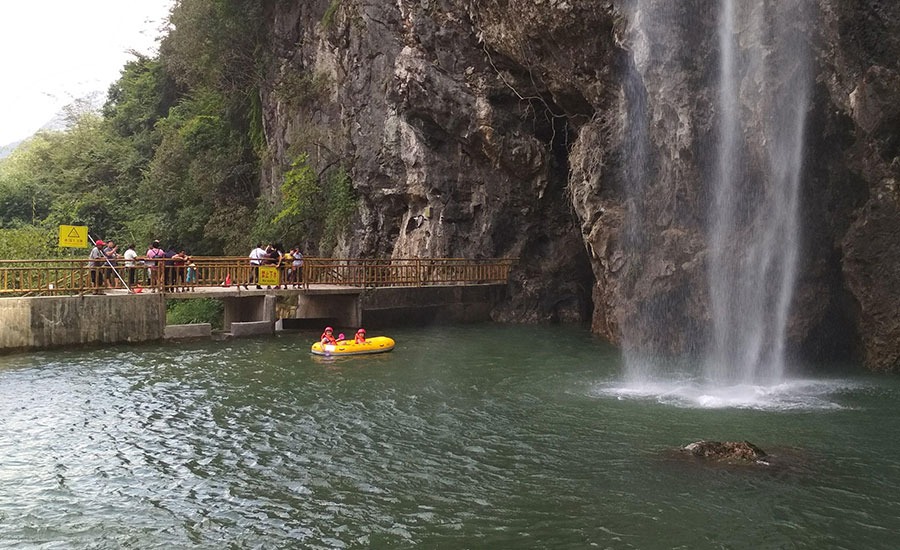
[(328, 337), (361, 336)]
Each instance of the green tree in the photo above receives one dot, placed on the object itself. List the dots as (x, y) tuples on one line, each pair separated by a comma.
[(175, 152), (318, 207), (29, 243), (140, 98)]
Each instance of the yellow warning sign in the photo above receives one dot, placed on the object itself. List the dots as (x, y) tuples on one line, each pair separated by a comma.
[(268, 276), (73, 236)]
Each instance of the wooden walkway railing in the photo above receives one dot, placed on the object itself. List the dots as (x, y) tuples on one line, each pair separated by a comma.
[(56, 277)]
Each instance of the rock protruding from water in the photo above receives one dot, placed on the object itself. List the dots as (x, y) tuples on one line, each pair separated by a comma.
[(729, 452)]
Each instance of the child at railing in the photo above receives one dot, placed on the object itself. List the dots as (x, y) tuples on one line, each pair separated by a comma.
[(191, 275)]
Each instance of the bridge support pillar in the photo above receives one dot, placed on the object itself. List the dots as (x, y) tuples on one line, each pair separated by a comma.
[(248, 309), (331, 308)]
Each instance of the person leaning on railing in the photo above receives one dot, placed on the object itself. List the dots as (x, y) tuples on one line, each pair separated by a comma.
[(257, 256), (131, 264), (295, 272), (111, 253), (179, 269), (153, 267), (96, 261)]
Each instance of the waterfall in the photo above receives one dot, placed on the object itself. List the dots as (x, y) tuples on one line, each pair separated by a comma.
[(635, 177), (761, 96), (753, 230)]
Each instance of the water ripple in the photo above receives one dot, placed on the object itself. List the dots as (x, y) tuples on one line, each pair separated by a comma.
[(249, 445)]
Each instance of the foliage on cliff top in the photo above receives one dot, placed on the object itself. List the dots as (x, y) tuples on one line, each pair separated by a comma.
[(175, 153), (171, 149)]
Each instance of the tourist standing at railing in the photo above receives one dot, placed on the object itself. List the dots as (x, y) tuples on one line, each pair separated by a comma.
[(179, 261), (111, 253), (257, 256), (190, 274), (153, 267), (96, 263), (296, 271), (131, 264), (276, 258), (169, 272), (286, 259)]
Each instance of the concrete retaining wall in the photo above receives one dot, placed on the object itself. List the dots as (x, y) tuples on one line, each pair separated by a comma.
[(193, 330), (53, 321), (252, 328)]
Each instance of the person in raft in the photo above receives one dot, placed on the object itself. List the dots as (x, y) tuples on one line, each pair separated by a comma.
[(328, 337), (361, 336)]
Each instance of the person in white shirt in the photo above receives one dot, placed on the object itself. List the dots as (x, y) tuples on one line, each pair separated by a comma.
[(257, 255), (130, 264)]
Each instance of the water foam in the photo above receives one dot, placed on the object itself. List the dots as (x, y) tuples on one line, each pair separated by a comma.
[(790, 394)]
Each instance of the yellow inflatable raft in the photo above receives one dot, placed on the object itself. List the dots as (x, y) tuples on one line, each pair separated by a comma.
[(375, 344)]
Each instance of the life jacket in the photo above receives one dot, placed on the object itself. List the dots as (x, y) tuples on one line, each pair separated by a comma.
[(328, 338)]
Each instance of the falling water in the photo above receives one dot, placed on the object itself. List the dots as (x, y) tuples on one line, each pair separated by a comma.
[(761, 94), (636, 174), (753, 229)]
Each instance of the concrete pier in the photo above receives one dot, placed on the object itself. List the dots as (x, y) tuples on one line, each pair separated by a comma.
[(54, 321)]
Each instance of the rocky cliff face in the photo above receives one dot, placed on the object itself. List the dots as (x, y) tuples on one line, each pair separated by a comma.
[(493, 128), (861, 76)]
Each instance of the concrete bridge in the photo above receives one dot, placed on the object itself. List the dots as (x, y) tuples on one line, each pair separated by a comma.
[(55, 305)]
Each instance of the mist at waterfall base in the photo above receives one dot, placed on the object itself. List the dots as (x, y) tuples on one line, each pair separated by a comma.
[(753, 233)]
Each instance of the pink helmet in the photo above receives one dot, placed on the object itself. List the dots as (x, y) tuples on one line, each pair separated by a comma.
[(329, 328), (361, 331)]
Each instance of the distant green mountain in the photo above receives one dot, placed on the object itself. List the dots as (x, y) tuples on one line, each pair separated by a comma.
[(6, 150), (90, 102)]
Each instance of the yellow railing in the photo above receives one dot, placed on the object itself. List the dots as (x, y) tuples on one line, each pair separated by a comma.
[(51, 277)]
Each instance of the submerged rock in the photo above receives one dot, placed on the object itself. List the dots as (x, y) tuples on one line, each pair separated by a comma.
[(731, 452)]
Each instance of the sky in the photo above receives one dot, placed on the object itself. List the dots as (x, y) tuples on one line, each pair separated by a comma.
[(55, 51)]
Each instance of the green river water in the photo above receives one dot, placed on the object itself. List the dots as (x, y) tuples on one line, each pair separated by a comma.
[(462, 437)]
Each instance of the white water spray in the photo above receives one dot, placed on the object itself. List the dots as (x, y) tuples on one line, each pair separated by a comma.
[(753, 230), (761, 96)]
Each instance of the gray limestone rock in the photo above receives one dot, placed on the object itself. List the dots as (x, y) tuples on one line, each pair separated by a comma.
[(483, 129)]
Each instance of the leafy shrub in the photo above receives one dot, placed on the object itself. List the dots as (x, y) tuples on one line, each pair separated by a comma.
[(30, 243), (185, 312), (341, 203), (319, 208)]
